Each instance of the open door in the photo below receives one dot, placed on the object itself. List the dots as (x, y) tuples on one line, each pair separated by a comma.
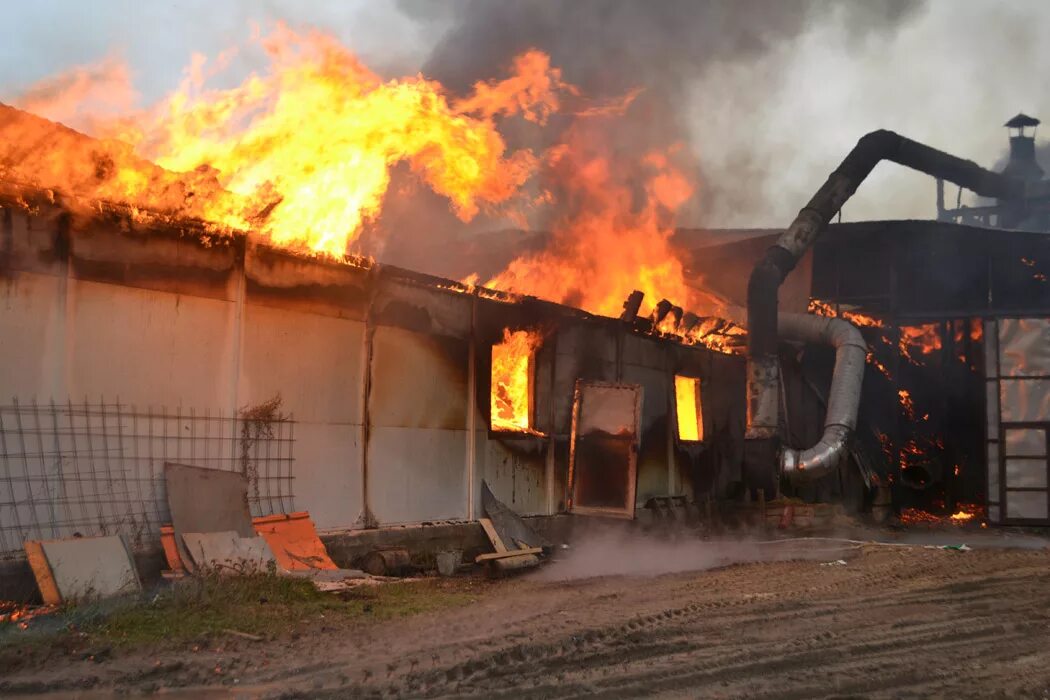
[(603, 451)]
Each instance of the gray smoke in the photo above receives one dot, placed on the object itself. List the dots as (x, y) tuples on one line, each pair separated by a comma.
[(609, 47)]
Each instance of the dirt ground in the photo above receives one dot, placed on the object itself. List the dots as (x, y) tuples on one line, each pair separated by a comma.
[(852, 621)]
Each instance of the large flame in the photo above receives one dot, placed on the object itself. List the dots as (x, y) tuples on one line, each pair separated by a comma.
[(612, 231), (306, 148), (302, 153), (511, 378), (687, 402)]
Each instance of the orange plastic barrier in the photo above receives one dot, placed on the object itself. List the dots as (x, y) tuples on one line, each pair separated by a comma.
[(292, 538)]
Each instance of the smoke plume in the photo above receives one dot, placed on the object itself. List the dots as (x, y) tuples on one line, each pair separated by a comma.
[(611, 48)]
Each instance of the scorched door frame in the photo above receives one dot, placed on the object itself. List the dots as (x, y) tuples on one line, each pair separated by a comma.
[(627, 511)]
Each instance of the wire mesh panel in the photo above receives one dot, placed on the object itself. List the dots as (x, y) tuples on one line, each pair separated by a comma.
[(98, 468)]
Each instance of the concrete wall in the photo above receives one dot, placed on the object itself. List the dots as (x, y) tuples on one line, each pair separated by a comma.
[(384, 372)]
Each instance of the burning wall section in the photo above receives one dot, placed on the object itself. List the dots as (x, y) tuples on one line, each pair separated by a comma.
[(385, 374)]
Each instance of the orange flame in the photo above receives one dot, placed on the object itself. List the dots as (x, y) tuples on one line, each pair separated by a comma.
[(21, 613), (823, 308), (83, 95), (925, 339), (687, 401), (719, 335), (965, 513), (511, 378), (613, 235), (302, 153), (907, 403)]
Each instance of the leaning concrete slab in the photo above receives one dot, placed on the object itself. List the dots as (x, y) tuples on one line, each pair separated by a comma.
[(206, 500), (82, 568), (228, 552)]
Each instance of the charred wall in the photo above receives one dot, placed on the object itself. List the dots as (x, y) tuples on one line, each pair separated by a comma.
[(385, 372)]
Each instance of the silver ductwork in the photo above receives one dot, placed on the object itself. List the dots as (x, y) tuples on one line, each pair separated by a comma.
[(780, 259), (843, 399)]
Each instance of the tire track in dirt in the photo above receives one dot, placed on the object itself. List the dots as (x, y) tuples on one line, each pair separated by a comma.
[(893, 622), (675, 633)]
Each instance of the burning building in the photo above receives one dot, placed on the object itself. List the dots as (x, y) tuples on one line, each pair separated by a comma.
[(205, 312), (133, 339), (954, 316)]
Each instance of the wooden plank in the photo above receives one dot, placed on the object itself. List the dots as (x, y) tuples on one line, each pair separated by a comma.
[(515, 563), (511, 553), (45, 580), (493, 536)]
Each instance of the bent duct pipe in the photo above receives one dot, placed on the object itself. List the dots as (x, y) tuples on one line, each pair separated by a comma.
[(843, 399), (769, 273)]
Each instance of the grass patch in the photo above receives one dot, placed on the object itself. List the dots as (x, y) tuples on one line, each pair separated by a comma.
[(261, 604)]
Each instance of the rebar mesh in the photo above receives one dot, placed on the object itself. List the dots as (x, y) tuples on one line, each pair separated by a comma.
[(97, 468)]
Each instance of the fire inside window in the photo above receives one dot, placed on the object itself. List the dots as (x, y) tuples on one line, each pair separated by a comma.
[(689, 412), (512, 373)]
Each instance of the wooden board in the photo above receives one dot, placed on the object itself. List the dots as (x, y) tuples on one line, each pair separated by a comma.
[(510, 553), (493, 536), (42, 572)]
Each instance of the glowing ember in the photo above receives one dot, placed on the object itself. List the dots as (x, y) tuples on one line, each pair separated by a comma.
[(687, 401), (874, 362), (966, 512), (720, 335), (924, 339), (511, 380), (822, 308), (907, 404), (21, 613)]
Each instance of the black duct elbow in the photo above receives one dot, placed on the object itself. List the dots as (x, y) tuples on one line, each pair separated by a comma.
[(762, 288)]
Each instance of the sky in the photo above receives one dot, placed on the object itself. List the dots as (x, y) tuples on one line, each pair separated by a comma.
[(770, 126)]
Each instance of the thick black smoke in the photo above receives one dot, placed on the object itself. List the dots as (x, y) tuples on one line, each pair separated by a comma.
[(609, 47)]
